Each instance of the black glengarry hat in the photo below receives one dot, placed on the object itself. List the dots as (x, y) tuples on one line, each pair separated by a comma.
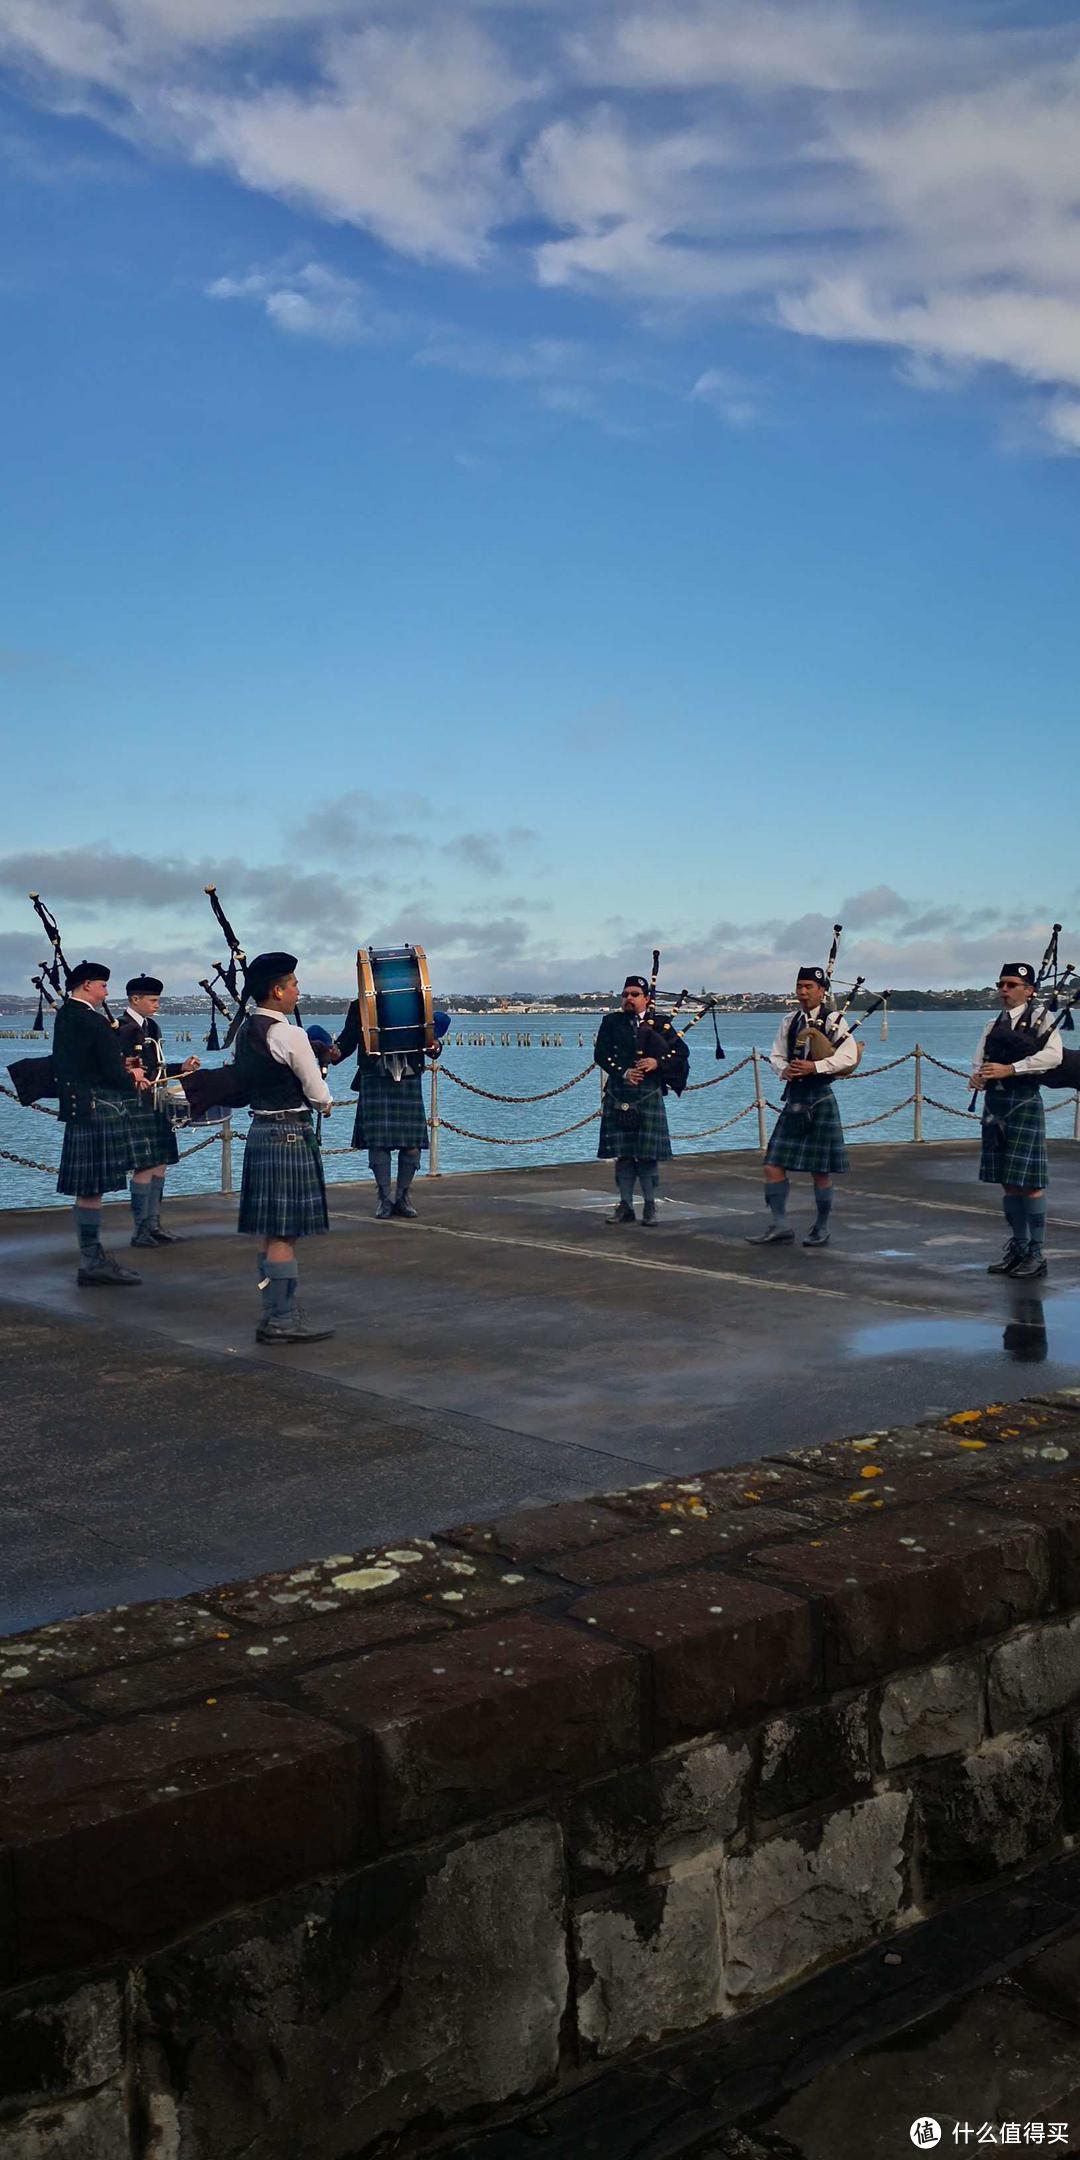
[(1020, 968), (88, 971), (811, 974), (636, 982), (145, 986), (265, 969)]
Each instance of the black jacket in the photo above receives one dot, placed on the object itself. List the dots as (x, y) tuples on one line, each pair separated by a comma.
[(349, 1040), (142, 1039), (621, 1040), (87, 1054)]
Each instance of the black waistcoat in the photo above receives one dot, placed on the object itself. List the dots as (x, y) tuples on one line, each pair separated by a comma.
[(1005, 1044), (802, 1093), (268, 1085)]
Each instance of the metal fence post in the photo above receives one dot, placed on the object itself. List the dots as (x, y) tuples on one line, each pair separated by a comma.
[(433, 1123), (1076, 1115), (759, 1100), (226, 1156), (917, 1118)]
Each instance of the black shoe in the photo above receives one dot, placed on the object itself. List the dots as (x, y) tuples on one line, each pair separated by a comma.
[(384, 1211), (291, 1331), (623, 1213), (1010, 1259), (816, 1236), (107, 1273), (144, 1236), (165, 1237), (648, 1213), (1030, 1266), (775, 1235), (403, 1205)]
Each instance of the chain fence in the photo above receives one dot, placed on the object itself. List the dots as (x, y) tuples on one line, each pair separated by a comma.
[(224, 1136)]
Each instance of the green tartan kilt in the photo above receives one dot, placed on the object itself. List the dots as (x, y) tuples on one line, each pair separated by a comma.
[(152, 1137), (390, 1113), (97, 1154), (1014, 1143), (650, 1140), (810, 1139), (283, 1191)]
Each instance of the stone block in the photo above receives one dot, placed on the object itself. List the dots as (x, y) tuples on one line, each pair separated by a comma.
[(418, 1990), (35, 1716), (121, 1836), (1034, 1673), (96, 2128), (813, 1755), (1049, 1497), (648, 1964), (59, 2038), (93, 1642), (936, 1710), (795, 1901), (657, 1814), (740, 1485), (987, 1812), (672, 1545), (721, 1650), (1029, 1419), (910, 1582), (496, 1716), (439, 1578), (567, 1526), (1071, 1772)]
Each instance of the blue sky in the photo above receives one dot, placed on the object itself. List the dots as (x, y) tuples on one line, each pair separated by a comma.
[(539, 481)]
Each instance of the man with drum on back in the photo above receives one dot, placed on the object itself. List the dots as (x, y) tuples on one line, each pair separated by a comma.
[(389, 1112), (153, 1141)]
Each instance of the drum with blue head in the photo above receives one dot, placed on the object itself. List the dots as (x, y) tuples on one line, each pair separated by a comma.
[(394, 996)]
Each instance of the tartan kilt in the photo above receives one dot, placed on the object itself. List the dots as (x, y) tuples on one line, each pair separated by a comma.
[(152, 1137), (390, 1113), (97, 1154), (1014, 1149), (283, 1191), (650, 1142), (810, 1139)]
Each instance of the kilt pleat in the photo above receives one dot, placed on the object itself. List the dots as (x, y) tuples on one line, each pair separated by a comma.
[(152, 1137), (97, 1154), (810, 1139), (390, 1113), (1014, 1143), (649, 1140), (283, 1190)]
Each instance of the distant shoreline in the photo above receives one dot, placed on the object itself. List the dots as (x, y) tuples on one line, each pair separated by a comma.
[(479, 1007)]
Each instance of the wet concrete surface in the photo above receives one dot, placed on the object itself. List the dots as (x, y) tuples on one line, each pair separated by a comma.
[(508, 1347)]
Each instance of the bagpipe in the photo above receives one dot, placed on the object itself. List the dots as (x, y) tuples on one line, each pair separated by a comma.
[(34, 1079), (814, 1042), (1052, 986)]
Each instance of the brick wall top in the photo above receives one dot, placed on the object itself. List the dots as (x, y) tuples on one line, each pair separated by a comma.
[(163, 1762)]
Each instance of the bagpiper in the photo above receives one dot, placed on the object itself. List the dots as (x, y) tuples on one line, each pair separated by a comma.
[(813, 1046), (642, 1055), (283, 1191), (1014, 1051), (153, 1140), (97, 1089)]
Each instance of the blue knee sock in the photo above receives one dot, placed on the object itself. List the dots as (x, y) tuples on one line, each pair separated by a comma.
[(1014, 1207), (281, 1279), (155, 1189), (379, 1159), (88, 1232), (776, 1197), (823, 1201), (408, 1163), (1035, 1211), (140, 1204), (648, 1171), (264, 1285), (625, 1173)]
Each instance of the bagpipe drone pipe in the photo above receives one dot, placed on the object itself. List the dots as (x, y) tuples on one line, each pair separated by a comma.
[(34, 1079)]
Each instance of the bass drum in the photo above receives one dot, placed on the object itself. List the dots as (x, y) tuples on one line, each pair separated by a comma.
[(394, 997)]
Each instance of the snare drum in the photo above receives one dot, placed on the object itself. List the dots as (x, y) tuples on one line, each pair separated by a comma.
[(169, 1096), (394, 996)]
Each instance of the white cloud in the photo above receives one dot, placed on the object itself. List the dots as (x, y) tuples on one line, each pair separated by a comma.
[(313, 301), (728, 395)]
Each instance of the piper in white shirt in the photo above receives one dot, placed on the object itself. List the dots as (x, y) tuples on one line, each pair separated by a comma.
[(808, 1134), (1014, 1050), (283, 1192)]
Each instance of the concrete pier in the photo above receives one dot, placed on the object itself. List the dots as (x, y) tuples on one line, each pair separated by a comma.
[(507, 1348)]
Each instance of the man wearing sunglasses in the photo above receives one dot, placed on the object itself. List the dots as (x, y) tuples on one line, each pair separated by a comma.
[(1014, 1051)]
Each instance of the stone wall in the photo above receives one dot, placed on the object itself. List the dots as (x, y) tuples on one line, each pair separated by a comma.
[(375, 1849)]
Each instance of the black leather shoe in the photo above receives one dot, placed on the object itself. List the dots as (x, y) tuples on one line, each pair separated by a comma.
[(403, 1205), (816, 1236), (1030, 1266), (165, 1237), (144, 1236), (648, 1213), (1010, 1259), (623, 1213), (107, 1274), (775, 1235), (384, 1211), (291, 1331)]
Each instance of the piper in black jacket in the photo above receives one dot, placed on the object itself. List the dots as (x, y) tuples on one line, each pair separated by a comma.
[(95, 1088), (642, 1059), (153, 1140)]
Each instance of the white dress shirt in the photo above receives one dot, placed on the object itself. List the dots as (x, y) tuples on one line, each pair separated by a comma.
[(843, 1060), (289, 1046), (1040, 1061)]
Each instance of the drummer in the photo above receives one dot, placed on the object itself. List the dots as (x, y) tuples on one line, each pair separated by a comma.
[(153, 1141), (389, 1111)]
